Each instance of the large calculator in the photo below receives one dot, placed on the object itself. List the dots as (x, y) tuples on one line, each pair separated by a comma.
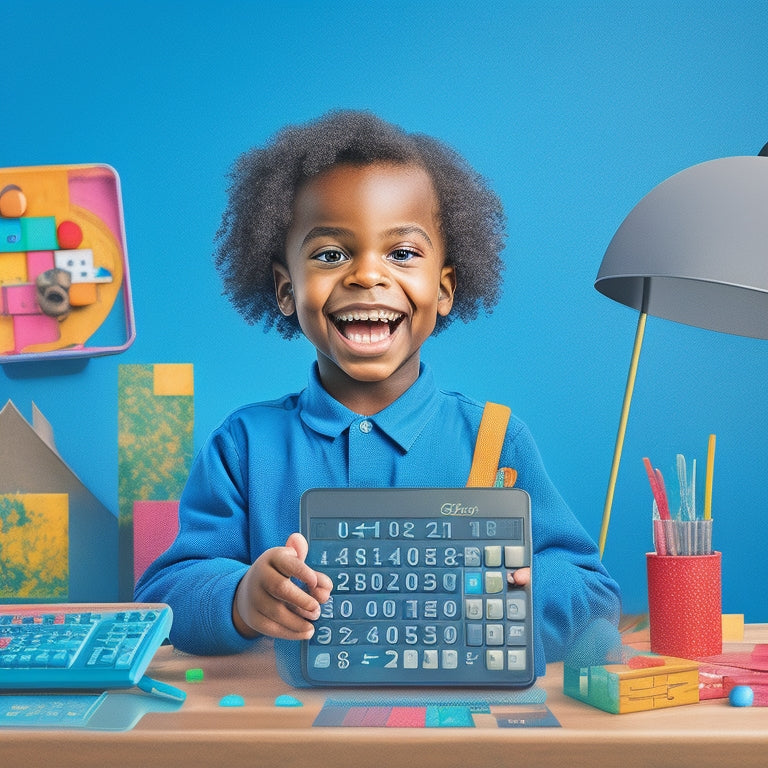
[(421, 594)]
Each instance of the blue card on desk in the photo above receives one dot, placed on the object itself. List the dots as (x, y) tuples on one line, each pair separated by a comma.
[(89, 711)]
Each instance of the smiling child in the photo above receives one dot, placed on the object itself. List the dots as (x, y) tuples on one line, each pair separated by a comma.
[(366, 240)]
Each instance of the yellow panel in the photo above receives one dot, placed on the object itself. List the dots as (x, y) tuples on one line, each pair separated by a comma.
[(6, 334), (34, 540), (45, 187), (13, 268), (174, 379)]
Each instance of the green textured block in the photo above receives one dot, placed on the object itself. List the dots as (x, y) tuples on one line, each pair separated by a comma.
[(38, 233)]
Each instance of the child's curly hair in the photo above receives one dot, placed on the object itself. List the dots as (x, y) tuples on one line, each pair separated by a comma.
[(264, 182)]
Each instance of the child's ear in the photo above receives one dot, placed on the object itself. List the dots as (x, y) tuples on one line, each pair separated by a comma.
[(283, 289), (447, 291)]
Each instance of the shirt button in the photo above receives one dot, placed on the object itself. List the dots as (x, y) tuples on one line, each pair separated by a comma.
[(366, 426)]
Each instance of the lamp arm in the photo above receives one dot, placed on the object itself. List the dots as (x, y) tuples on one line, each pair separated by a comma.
[(639, 333)]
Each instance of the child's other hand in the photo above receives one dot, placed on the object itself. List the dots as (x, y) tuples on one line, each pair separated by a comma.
[(267, 602), (520, 577)]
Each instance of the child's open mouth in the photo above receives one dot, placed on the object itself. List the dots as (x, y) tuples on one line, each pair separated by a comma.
[(367, 326)]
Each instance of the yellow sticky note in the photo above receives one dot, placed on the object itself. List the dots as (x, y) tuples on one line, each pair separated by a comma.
[(174, 379)]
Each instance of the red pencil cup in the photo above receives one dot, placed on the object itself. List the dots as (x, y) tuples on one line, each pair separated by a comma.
[(685, 604)]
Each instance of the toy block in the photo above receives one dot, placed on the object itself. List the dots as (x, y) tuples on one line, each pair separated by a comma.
[(20, 299), (78, 262), (621, 688), (38, 233), (34, 329), (11, 236), (37, 263), (82, 294), (733, 627), (13, 268)]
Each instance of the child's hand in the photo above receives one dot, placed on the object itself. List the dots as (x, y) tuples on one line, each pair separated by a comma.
[(267, 602), (520, 577)]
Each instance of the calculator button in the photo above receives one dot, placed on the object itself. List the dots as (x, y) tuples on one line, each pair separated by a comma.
[(494, 660), (430, 659), (494, 608), (410, 659), (472, 557), (493, 556), (516, 634), (494, 581), (474, 608), (516, 608), (514, 556), (322, 660), (450, 659), (494, 634), (473, 583), (516, 659), (474, 634)]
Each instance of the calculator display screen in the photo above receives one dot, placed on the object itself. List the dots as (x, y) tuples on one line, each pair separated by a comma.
[(421, 591)]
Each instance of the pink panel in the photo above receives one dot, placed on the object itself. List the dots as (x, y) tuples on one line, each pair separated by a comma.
[(33, 329), (21, 300), (155, 525), (38, 262)]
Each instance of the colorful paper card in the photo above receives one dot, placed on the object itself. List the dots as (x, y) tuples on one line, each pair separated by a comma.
[(447, 714), (34, 546), (155, 525), (155, 444)]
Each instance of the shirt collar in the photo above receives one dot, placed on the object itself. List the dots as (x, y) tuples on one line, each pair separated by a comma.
[(403, 420)]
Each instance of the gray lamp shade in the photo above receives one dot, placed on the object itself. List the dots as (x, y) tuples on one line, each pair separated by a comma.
[(695, 249)]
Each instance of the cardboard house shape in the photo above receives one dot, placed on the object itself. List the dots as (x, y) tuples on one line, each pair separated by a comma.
[(30, 464)]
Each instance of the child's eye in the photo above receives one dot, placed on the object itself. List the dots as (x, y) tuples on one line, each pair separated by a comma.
[(331, 256), (402, 255)]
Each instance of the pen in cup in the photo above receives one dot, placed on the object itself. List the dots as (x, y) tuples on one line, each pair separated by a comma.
[(687, 534)]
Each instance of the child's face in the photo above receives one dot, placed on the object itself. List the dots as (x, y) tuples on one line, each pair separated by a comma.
[(365, 273)]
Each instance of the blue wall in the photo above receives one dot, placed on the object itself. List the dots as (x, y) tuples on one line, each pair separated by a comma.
[(573, 110)]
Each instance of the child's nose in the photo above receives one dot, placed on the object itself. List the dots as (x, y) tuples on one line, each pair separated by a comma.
[(368, 270)]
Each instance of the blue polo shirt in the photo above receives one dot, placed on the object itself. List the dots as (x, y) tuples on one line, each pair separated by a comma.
[(242, 497)]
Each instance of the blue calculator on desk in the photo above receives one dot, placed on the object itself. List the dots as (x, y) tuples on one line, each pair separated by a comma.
[(76, 646), (421, 595)]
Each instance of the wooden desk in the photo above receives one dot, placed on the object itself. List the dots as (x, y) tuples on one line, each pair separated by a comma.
[(201, 733)]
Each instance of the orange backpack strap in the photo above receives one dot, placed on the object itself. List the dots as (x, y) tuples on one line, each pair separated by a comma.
[(485, 471)]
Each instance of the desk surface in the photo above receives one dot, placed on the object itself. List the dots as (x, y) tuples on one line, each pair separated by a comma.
[(201, 733)]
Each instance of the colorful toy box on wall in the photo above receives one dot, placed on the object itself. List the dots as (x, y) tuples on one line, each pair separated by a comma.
[(64, 284)]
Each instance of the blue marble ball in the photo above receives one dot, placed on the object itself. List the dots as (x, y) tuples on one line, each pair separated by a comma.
[(741, 696)]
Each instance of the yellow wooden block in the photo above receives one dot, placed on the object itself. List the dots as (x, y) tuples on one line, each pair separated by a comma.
[(618, 689), (174, 379), (733, 627)]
